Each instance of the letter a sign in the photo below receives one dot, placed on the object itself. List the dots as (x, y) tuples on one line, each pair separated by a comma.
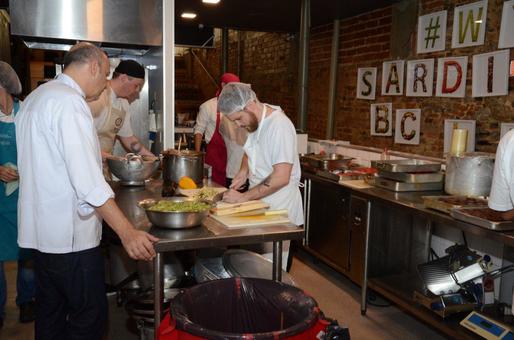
[(469, 25)]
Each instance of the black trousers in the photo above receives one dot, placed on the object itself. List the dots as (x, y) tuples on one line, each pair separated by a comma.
[(70, 295)]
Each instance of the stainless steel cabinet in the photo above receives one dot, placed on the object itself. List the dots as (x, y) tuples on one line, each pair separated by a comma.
[(358, 221)]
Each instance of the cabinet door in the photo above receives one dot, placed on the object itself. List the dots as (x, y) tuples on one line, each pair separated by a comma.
[(358, 220), (328, 222)]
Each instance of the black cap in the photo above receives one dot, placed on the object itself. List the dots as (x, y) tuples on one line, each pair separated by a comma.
[(131, 68)]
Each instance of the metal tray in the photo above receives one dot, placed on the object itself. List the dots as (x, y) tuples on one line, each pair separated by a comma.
[(407, 165), (402, 186), (416, 177), (446, 203), (463, 215)]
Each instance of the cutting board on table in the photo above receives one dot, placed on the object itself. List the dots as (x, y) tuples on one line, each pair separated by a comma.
[(231, 221), (222, 208)]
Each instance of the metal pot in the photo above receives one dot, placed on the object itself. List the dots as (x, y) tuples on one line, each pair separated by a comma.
[(173, 272), (469, 174), (176, 164)]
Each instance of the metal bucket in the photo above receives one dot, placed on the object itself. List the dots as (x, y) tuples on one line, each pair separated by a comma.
[(469, 174)]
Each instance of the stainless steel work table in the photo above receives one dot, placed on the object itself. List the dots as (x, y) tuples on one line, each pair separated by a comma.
[(209, 234)]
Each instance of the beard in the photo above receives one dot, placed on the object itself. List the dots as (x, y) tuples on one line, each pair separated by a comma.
[(253, 125)]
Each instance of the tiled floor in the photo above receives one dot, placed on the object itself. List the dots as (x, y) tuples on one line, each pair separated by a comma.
[(337, 297)]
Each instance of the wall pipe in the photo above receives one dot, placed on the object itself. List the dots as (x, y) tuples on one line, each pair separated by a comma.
[(303, 68), (224, 50), (333, 80)]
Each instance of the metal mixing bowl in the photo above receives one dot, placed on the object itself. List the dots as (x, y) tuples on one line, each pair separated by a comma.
[(133, 171), (172, 219)]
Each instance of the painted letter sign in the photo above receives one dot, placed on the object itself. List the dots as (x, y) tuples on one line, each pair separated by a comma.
[(469, 24), (366, 83)]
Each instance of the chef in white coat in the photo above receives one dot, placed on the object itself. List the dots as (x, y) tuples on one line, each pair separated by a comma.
[(271, 160)]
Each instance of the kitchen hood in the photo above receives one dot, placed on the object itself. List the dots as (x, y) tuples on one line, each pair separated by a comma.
[(133, 24)]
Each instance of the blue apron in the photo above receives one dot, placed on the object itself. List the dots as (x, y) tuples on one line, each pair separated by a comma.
[(8, 204)]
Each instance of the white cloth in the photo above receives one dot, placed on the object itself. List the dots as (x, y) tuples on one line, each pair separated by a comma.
[(60, 167), (119, 104), (276, 143), (7, 118), (206, 124), (502, 187)]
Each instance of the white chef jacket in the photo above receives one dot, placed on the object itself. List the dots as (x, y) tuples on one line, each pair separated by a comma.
[(206, 124), (119, 104), (502, 187), (60, 167), (275, 142)]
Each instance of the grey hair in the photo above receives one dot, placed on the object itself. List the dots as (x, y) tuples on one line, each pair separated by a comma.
[(83, 52)]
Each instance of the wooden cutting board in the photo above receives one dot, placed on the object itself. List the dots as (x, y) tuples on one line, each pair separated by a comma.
[(223, 208), (251, 221)]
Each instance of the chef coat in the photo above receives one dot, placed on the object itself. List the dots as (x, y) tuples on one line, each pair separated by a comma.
[(502, 187), (274, 142), (60, 168)]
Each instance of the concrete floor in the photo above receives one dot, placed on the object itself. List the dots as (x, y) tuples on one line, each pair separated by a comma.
[(337, 297)]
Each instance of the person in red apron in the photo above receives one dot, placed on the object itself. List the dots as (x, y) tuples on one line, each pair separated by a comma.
[(208, 122), (9, 250)]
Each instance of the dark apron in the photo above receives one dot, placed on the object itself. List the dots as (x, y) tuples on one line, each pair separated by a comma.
[(216, 155)]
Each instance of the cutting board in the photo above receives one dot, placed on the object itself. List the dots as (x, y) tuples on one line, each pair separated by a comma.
[(356, 184), (250, 221), (223, 208)]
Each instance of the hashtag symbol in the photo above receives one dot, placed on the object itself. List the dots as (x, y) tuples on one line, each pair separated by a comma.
[(432, 32)]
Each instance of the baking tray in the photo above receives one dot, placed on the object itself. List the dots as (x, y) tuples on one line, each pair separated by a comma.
[(463, 214), (402, 186), (407, 165), (446, 203), (412, 177)]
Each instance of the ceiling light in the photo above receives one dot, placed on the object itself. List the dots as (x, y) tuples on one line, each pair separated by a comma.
[(188, 15), (210, 1), (479, 21)]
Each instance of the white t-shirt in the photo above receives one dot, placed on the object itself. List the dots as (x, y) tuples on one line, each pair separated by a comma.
[(60, 167), (274, 143), (502, 188), (206, 124), (117, 103)]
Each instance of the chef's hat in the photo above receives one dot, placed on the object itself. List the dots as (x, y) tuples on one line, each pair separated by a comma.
[(234, 97), (9, 79)]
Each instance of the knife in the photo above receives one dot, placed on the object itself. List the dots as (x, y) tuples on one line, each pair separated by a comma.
[(261, 213)]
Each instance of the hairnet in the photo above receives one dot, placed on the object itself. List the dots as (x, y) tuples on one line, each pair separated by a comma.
[(9, 79), (234, 97)]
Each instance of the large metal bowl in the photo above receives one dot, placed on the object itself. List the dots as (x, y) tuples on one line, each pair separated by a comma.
[(133, 171), (172, 219)]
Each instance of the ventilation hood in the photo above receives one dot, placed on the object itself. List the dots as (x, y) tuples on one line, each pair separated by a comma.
[(57, 24)]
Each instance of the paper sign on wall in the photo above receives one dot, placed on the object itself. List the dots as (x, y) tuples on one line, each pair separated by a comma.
[(451, 77), (366, 83), (381, 117), (407, 127), (432, 32), (507, 26), (392, 78), (491, 74), (420, 78), (469, 24)]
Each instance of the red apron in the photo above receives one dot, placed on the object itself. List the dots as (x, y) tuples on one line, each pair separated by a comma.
[(216, 155)]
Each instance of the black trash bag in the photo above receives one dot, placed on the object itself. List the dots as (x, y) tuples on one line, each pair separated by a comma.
[(234, 307)]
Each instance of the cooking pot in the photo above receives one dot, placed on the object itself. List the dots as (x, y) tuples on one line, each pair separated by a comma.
[(469, 174), (176, 164)]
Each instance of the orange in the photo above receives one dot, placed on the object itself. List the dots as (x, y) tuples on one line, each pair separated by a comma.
[(186, 183)]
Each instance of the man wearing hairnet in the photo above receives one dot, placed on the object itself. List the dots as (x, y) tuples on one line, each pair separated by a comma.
[(271, 159), (9, 106)]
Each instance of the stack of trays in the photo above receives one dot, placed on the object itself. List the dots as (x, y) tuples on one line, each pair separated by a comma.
[(408, 175)]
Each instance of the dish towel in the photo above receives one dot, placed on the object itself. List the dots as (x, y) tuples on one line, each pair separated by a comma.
[(11, 186)]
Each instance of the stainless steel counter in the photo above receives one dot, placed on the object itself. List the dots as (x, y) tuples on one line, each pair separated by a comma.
[(209, 234)]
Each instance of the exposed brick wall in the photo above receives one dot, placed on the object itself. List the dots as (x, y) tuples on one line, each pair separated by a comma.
[(270, 63)]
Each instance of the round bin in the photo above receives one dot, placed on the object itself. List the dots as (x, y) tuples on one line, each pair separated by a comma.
[(242, 308)]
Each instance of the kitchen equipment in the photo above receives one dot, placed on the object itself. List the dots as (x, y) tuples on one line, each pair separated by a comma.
[(486, 327), (469, 174), (402, 186), (132, 169), (223, 208), (176, 164), (415, 177), (209, 266), (482, 216), (459, 141), (173, 219), (232, 222), (447, 203), (406, 165), (173, 272), (329, 161), (445, 305)]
